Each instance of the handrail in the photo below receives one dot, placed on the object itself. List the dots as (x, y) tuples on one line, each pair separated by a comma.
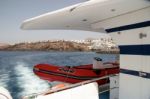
[(68, 87), (108, 90)]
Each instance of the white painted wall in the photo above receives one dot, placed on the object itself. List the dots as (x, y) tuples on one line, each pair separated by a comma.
[(131, 87)]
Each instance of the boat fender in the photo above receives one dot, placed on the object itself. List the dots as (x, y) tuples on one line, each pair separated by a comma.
[(59, 86)]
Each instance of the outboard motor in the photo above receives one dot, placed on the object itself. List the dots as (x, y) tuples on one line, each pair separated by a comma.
[(97, 63)]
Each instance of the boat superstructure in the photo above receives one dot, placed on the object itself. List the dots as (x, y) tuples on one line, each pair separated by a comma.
[(127, 21)]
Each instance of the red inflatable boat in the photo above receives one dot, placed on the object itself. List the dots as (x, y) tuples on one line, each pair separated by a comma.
[(75, 74)]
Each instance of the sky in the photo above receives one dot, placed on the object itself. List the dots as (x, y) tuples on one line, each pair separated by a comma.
[(14, 12)]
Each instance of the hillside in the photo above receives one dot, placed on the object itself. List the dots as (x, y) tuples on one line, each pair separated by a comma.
[(48, 46), (98, 45), (4, 45)]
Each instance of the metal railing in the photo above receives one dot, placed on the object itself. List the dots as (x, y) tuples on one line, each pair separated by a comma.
[(50, 91)]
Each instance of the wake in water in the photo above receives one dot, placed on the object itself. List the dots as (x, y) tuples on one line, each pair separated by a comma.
[(4, 78), (28, 81), (16, 68)]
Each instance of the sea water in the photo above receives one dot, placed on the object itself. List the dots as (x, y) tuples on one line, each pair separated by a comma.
[(16, 68)]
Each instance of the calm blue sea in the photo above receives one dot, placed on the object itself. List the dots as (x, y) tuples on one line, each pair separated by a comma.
[(16, 68)]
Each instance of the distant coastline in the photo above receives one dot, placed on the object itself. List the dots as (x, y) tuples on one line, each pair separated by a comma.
[(46, 46), (62, 45)]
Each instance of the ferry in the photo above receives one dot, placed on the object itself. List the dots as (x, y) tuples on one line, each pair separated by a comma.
[(128, 23)]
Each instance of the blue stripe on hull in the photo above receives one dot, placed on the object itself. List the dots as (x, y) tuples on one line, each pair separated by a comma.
[(135, 73), (128, 27), (135, 49)]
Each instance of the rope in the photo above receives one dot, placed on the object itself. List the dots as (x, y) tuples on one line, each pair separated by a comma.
[(67, 73)]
